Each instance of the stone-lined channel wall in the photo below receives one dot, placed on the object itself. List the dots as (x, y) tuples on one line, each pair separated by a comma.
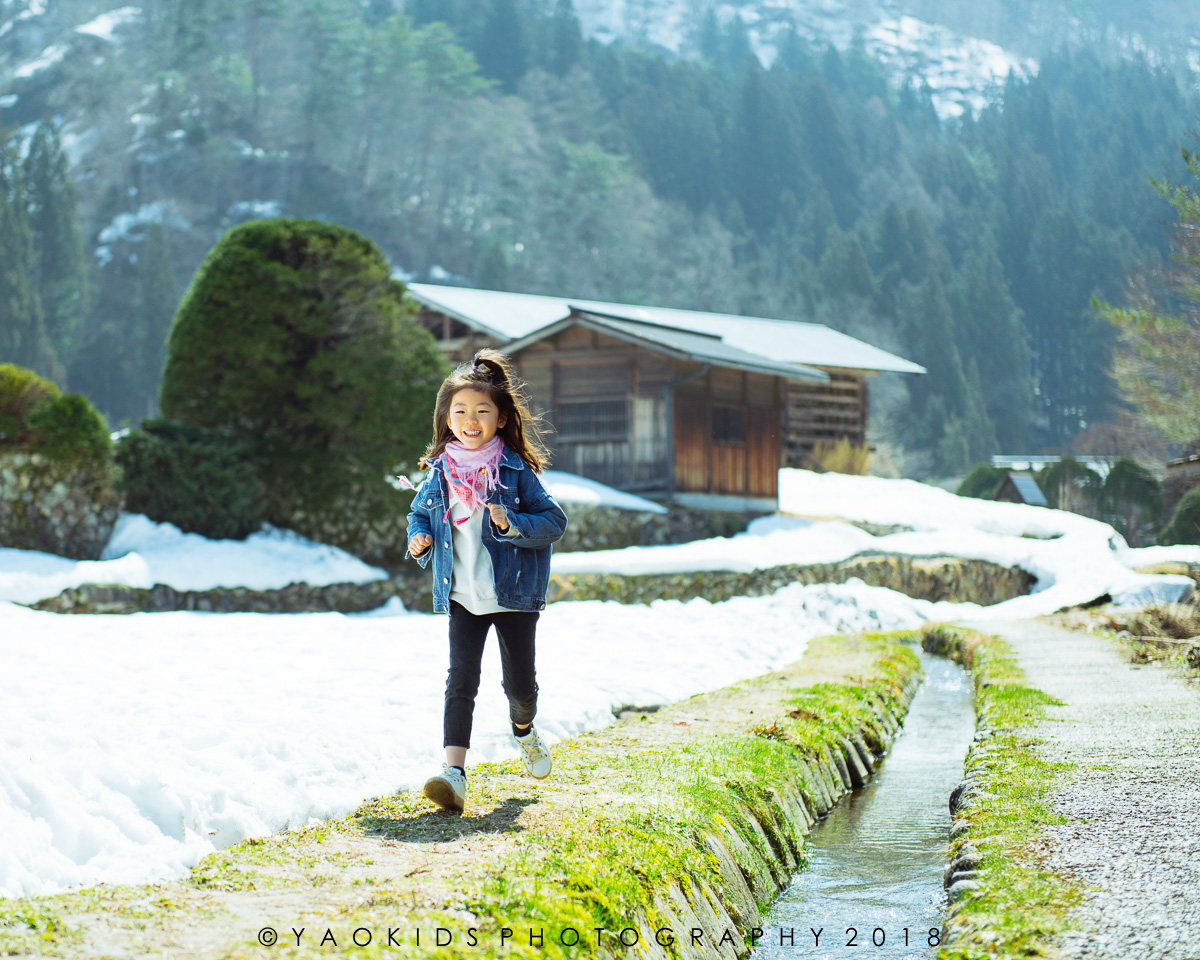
[(761, 848), (941, 578)]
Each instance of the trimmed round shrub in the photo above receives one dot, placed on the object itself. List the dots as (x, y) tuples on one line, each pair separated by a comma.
[(982, 482), (197, 479), (69, 429), (1081, 484), (20, 391), (1185, 521), (295, 339), (1131, 499), (36, 417)]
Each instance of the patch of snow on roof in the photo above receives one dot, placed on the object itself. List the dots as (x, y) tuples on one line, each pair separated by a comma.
[(517, 315), (104, 25)]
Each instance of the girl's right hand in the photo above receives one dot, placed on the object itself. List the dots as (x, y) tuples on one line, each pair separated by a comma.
[(417, 545)]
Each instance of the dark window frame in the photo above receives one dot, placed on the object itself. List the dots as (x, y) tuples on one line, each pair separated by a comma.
[(729, 425), (596, 420)]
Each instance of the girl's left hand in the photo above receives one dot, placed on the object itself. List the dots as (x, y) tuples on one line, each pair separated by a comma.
[(499, 516)]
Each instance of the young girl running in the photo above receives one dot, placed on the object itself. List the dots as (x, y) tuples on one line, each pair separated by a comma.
[(487, 521)]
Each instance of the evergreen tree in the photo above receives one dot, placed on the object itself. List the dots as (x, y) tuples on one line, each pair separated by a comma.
[(565, 47), (503, 46), (826, 147), (23, 339), (61, 270), (991, 334), (763, 148), (709, 40), (154, 306), (844, 267)]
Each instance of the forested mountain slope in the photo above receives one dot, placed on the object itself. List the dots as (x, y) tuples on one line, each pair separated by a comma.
[(492, 141)]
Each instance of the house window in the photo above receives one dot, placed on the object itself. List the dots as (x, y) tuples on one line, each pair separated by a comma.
[(729, 424), (592, 420)]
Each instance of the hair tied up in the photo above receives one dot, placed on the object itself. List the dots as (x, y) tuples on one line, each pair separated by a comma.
[(492, 371)]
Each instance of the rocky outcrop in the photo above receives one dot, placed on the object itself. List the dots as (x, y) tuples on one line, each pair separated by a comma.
[(940, 578), (69, 511)]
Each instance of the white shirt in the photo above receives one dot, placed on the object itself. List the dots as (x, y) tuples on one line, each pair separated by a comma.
[(474, 581)]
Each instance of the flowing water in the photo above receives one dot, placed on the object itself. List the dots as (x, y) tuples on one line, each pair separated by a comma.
[(873, 886)]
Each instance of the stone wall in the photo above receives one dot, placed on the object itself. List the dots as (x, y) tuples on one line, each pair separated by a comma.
[(592, 527), (960, 581), (943, 578), (294, 598), (45, 506)]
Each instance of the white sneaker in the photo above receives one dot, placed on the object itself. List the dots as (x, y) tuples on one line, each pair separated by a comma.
[(448, 789), (534, 754)]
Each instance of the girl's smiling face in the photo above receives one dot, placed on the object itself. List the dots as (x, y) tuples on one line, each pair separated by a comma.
[(474, 417)]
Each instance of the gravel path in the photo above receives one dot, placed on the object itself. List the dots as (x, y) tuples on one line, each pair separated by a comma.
[(1133, 798)]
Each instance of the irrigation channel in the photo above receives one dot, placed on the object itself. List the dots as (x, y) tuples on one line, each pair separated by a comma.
[(873, 886)]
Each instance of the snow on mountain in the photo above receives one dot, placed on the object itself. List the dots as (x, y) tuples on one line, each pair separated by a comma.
[(960, 71)]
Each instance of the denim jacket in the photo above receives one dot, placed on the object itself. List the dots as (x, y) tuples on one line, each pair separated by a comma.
[(520, 562)]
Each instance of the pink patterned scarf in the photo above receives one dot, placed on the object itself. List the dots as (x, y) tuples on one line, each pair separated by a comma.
[(473, 475)]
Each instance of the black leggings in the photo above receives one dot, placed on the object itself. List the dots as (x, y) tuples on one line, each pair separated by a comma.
[(468, 633)]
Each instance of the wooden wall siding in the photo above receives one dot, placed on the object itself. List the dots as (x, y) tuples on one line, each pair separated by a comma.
[(705, 464), (693, 437), (824, 411), (456, 340), (597, 374), (762, 449)]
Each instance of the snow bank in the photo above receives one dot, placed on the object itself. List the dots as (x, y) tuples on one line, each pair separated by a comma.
[(142, 553), (135, 745), (1074, 558), (569, 488)]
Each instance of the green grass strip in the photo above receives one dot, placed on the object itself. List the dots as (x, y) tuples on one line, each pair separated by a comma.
[(1021, 906)]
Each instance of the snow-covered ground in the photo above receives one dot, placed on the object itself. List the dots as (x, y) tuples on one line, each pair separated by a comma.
[(134, 745), (142, 553), (1075, 559)]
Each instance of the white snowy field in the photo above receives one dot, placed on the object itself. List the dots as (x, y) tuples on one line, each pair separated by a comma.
[(134, 745)]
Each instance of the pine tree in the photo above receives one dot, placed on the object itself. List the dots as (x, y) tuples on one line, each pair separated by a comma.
[(23, 339), (565, 48), (153, 310), (503, 49), (60, 268)]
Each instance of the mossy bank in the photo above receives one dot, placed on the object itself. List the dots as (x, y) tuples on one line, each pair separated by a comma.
[(664, 835), (1003, 904)]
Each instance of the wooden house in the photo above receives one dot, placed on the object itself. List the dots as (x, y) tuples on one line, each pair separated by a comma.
[(697, 407), (1020, 488)]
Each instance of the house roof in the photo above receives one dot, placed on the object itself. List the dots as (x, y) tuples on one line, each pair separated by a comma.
[(676, 342), (514, 316), (1027, 487)]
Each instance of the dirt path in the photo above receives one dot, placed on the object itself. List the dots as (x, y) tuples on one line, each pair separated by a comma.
[(1131, 799)]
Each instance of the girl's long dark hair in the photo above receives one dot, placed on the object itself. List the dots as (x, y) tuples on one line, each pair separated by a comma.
[(491, 372)]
